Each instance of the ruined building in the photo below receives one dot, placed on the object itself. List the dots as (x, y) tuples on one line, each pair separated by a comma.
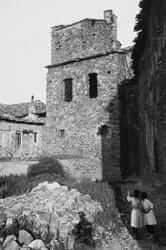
[(82, 124), (21, 130), (149, 62)]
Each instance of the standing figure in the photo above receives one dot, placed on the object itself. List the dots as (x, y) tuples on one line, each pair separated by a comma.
[(149, 217), (83, 233), (136, 220)]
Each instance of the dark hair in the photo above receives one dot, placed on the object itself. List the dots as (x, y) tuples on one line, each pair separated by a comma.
[(144, 195), (136, 193), (81, 214)]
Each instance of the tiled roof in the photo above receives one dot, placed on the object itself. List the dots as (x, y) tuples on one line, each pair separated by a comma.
[(13, 119), (21, 109)]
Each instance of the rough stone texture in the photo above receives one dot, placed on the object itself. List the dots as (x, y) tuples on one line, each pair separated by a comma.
[(56, 206), (10, 243), (9, 239), (87, 37), (82, 118), (37, 244), (50, 204), (24, 237), (151, 77)]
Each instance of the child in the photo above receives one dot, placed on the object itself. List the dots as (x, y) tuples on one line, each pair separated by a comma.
[(149, 216), (136, 221)]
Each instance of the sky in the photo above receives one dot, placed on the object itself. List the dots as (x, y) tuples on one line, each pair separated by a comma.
[(25, 35)]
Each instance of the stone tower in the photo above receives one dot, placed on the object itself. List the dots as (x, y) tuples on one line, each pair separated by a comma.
[(87, 66)]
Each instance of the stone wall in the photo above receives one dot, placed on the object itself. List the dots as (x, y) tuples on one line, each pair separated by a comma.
[(129, 128), (151, 80), (30, 144), (86, 129), (85, 38), (81, 119)]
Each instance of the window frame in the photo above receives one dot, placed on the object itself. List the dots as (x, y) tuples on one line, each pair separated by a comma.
[(68, 91), (93, 85)]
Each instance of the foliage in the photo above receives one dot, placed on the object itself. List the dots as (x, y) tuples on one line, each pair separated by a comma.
[(141, 27), (47, 169), (13, 185), (46, 166)]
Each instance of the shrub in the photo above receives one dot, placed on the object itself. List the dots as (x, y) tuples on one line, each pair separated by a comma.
[(13, 185), (48, 169), (46, 166)]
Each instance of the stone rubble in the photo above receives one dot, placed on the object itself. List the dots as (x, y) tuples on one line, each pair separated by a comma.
[(43, 219), (49, 209)]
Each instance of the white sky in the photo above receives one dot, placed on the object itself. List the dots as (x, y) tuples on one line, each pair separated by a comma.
[(25, 38)]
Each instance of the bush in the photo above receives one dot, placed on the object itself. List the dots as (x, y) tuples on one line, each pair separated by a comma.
[(47, 169), (46, 166), (13, 185)]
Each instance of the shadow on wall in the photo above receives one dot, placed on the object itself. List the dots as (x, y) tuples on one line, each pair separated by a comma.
[(119, 137)]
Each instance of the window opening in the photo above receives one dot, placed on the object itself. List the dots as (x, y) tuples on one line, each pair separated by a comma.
[(62, 133), (68, 85), (93, 90), (18, 138), (35, 137)]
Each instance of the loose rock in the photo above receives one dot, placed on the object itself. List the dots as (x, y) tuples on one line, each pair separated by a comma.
[(25, 237), (37, 244)]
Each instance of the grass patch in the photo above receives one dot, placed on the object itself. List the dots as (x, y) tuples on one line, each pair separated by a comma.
[(13, 185)]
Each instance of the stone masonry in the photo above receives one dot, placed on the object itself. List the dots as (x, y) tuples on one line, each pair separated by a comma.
[(86, 70), (149, 60)]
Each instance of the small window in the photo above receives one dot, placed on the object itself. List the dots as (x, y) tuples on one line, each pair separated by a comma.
[(57, 45), (35, 137), (18, 139), (93, 91), (62, 133), (68, 85)]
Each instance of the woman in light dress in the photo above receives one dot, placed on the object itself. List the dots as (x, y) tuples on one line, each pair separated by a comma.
[(149, 217), (136, 220)]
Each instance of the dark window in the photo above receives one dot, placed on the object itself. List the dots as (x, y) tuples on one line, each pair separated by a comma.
[(57, 45), (35, 137), (62, 132), (18, 139), (68, 90), (93, 91)]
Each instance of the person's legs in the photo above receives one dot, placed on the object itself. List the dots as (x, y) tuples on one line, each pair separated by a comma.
[(135, 232), (151, 229), (148, 229), (154, 232)]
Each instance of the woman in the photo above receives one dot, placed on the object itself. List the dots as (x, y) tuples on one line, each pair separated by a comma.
[(136, 221), (149, 216)]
